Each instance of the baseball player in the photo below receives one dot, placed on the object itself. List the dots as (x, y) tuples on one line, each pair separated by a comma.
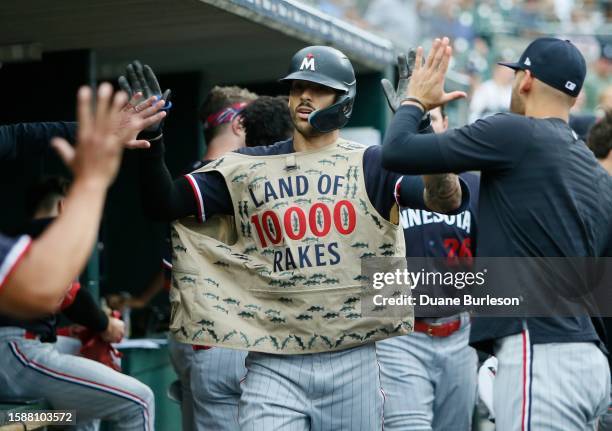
[(599, 141), (435, 364), (213, 374), (34, 368), (34, 274), (542, 193), (265, 120), (210, 377), (217, 372), (293, 301)]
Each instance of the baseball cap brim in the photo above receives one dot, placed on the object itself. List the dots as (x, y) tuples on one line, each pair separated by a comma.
[(513, 66)]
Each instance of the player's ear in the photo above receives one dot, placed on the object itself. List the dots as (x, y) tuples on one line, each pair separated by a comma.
[(237, 127), (526, 82), (60, 206)]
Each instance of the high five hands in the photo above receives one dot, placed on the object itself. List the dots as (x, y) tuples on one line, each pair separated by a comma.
[(144, 91), (422, 83), (103, 132)]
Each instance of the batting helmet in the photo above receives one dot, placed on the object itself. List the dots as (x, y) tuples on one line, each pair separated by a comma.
[(331, 68)]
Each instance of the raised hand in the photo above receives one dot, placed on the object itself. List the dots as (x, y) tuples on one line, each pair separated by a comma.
[(141, 82), (99, 148), (136, 116), (404, 66), (427, 81)]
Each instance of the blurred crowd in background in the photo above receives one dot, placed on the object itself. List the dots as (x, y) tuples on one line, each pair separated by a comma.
[(486, 31)]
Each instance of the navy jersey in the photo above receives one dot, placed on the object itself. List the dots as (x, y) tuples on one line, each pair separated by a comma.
[(430, 234), (444, 237), (213, 196), (11, 251)]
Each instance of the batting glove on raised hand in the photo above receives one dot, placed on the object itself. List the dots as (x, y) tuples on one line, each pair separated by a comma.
[(404, 67), (141, 85)]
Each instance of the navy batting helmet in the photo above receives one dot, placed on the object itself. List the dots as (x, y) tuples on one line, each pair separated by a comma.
[(331, 68)]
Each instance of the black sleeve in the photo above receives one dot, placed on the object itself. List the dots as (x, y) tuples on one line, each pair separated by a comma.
[(494, 143), (410, 189), (162, 198), (86, 312), (32, 139)]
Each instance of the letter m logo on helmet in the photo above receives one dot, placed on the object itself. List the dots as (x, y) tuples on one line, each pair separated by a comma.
[(308, 63)]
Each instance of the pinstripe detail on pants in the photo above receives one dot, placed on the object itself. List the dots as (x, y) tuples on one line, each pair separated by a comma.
[(429, 382), (29, 363), (527, 376), (181, 357), (550, 386), (384, 396), (330, 391), (216, 376)]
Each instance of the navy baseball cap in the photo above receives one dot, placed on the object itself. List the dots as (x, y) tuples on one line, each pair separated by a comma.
[(555, 62)]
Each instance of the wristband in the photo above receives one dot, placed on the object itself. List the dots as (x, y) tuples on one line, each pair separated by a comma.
[(415, 100), (150, 135), (156, 149)]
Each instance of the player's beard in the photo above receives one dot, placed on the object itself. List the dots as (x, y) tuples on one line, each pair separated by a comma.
[(303, 127)]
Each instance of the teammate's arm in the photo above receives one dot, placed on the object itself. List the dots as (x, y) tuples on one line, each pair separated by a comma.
[(163, 199), (492, 143), (84, 311), (441, 192), (469, 148), (30, 139), (37, 284)]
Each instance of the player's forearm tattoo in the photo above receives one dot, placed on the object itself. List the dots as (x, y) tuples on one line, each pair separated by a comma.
[(442, 192)]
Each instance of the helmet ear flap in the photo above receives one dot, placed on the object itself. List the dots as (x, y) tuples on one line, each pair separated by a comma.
[(335, 116)]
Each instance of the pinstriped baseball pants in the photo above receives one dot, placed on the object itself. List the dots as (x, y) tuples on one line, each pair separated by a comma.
[(29, 368), (330, 391), (181, 357), (549, 387), (429, 382), (215, 383)]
